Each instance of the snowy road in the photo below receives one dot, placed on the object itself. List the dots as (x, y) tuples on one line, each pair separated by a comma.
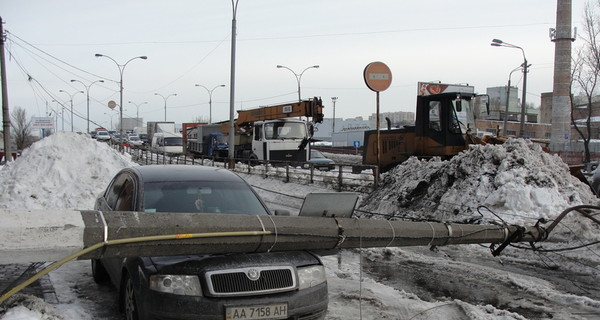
[(454, 282)]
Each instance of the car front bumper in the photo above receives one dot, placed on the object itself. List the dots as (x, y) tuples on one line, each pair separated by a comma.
[(304, 304)]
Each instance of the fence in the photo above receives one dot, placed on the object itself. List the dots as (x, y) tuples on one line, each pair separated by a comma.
[(341, 178)]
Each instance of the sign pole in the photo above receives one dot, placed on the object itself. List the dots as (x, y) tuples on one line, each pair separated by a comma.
[(378, 77), (378, 133)]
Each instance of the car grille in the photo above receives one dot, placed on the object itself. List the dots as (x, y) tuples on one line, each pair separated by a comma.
[(250, 281)]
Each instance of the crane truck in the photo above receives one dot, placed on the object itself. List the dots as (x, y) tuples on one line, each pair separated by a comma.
[(272, 133), (445, 115)]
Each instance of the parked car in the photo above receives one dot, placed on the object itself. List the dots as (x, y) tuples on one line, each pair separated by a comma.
[(134, 141), (319, 161), (291, 284), (116, 139), (102, 135), (144, 138)]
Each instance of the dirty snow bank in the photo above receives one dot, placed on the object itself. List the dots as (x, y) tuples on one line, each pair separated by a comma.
[(516, 179), (64, 171)]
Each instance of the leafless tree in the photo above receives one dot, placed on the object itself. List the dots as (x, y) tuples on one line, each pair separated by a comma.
[(21, 127), (586, 74)]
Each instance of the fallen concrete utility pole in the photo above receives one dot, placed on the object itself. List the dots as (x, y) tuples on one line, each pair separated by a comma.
[(31, 236)]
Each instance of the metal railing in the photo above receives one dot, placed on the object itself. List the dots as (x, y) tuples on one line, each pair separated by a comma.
[(341, 178)]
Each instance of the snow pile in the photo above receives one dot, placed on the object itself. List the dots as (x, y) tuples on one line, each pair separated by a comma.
[(63, 171), (516, 179)]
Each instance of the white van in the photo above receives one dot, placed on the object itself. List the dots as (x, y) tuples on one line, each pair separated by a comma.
[(167, 143)]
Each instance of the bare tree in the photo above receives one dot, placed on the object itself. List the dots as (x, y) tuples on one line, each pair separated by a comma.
[(586, 73), (21, 126)]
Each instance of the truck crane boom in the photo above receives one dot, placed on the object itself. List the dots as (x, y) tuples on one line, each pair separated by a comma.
[(312, 108)]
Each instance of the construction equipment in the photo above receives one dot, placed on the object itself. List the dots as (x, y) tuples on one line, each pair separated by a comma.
[(445, 116), (269, 133)]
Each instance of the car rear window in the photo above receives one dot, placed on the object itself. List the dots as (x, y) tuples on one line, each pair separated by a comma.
[(201, 196)]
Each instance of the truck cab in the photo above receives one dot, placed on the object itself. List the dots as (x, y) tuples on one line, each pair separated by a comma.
[(167, 143), (445, 115), (280, 140)]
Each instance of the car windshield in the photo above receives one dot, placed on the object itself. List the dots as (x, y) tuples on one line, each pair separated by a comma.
[(201, 196), (316, 154), (134, 138), (175, 141), (102, 133)]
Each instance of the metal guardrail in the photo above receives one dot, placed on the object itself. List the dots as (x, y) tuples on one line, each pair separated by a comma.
[(340, 179)]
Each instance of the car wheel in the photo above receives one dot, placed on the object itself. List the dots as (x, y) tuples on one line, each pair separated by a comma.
[(99, 272), (129, 300)]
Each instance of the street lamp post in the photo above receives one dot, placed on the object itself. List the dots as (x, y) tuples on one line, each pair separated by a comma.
[(231, 130), (165, 99), (111, 119), (210, 99), (298, 76), (62, 114), (333, 99), (71, 101), (508, 102), (121, 69), (87, 90), (137, 111), (525, 66)]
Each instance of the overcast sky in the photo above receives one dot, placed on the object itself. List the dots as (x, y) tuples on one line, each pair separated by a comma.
[(188, 42)]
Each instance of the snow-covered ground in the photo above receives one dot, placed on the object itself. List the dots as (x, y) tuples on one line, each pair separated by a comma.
[(517, 183)]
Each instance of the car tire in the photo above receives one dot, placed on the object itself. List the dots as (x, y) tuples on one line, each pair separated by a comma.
[(130, 306), (99, 272)]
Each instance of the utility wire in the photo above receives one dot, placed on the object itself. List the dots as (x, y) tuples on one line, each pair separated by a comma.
[(53, 57)]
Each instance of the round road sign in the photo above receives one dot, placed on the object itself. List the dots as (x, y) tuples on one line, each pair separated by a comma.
[(378, 76), (112, 104)]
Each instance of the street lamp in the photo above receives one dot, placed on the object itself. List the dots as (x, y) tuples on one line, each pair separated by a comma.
[(71, 100), (87, 90), (298, 76), (500, 43), (210, 99), (137, 111), (111, 119), (165, 99), (508, 102), (121, 69), (333, 99), (62, 114)]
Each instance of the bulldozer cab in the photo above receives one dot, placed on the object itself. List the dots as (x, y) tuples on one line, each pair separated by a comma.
[(442, 121)]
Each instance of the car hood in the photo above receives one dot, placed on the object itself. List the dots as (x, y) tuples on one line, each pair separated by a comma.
[(194, 264)]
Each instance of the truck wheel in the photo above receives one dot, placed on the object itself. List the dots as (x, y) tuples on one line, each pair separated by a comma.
[(253, 160)]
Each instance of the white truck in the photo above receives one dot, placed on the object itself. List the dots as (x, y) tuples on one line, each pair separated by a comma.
[(163, 138), (275, 133), (167, 143)]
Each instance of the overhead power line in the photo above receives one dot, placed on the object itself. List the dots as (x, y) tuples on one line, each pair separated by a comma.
[(53, 57)]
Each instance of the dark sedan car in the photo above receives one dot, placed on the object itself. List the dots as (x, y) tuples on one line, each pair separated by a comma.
[(319, 161), (275, 285)]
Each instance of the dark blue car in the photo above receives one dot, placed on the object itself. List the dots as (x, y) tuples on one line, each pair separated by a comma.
[(275, 285)]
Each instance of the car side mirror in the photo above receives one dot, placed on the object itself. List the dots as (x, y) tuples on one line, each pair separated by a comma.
[(458, 104), (281, 212)]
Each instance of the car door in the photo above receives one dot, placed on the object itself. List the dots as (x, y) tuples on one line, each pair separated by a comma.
[(120, 196)]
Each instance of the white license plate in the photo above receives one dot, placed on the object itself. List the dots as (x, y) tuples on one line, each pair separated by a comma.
[(261, 312)]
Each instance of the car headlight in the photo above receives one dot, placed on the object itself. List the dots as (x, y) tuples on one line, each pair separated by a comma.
[(175, 284), (311, 276)]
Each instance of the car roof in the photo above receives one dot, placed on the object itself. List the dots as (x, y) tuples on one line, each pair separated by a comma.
[(161, 173)]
